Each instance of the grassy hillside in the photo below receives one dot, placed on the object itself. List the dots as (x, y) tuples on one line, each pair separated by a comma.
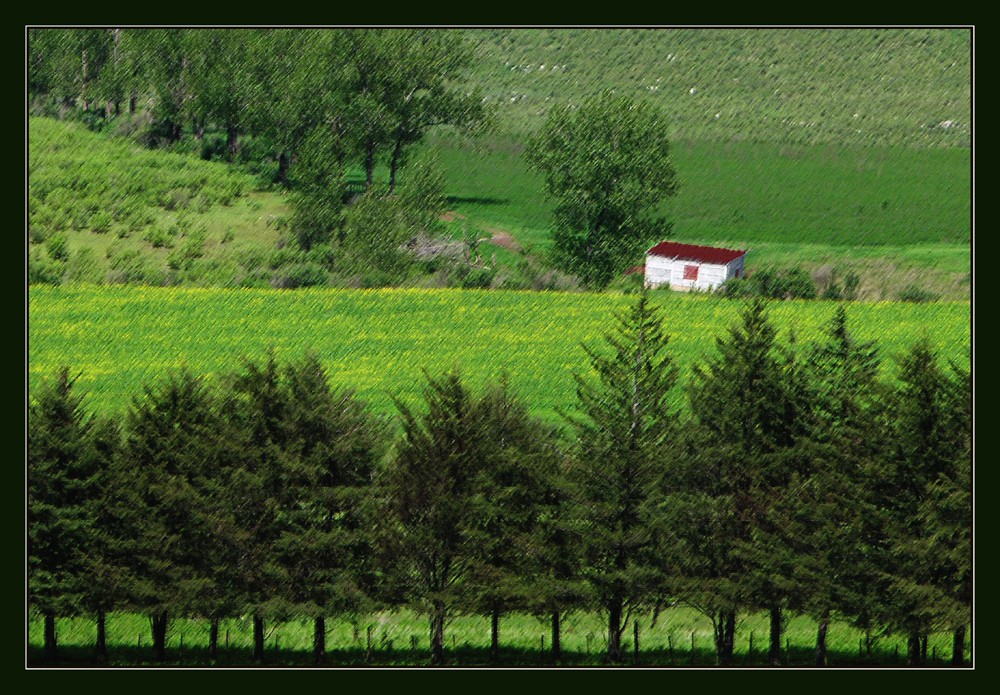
[(127, 214), (378, 341), (864, 87)]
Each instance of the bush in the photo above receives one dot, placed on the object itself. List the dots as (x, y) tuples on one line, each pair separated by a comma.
[(916, 294), (300, 275), (57, 247), (43, 271), (770, 283)]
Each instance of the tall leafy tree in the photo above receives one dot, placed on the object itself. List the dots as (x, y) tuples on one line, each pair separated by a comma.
[(624, 425), (607, 164), (62, 472), (333, 447), (744, 423)]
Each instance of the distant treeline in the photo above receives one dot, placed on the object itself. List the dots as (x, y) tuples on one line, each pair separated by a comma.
[(800, 483), (374, 93)]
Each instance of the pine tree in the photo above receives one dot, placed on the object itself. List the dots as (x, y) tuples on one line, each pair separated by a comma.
[(623, 428), (61, 489), (824, 525), (427, 511), (515, 448), (167, 451), (333, 447), (745, 402)]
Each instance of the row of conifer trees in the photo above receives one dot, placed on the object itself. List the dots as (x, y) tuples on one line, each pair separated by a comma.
[(794, 479)]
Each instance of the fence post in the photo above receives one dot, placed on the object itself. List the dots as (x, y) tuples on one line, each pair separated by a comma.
[(138, 648), (368, 653), (670, 647), (228, 657), (414, 641), (788, 651), (692, 646), (750, 649)]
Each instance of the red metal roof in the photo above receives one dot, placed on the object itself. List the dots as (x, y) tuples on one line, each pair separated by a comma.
[(693, 252)]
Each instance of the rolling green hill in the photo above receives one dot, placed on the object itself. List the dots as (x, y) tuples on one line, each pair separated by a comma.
[(865, 87)]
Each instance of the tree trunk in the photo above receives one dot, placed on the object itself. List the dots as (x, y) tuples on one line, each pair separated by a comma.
[(556, 643), (283, 164), (958, 647), (319, 640), (213, 639), (824, 624), (437, 634), (232, 140), (369, 165), (725, 629), (258, 639), (615, 631), (774, 653), (160, 636), (913, 649), (84, 63), (397, 153), (101, 648), (132, 101), (923, 649), (494, 635), (50, 637)]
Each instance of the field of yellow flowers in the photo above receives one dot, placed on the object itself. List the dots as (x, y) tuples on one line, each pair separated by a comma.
[(379, 341)]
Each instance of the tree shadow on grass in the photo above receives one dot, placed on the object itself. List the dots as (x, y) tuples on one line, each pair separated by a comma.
[(476, 200)]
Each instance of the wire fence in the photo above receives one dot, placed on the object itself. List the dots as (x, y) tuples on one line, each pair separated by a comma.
[(679, 637)]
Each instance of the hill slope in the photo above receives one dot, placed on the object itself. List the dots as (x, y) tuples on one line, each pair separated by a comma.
[(848, 86)]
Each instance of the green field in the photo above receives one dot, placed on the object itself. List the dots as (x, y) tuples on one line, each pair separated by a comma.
[(399, 638), (895, 87), (378, 341)]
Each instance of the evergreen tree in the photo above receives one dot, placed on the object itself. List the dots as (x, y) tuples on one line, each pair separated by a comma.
[(62, 474), (515, 448), (428, 512), (623, 429), (824, 524), (333, 447), (927, 499), (744, 401), (168, 449), (257, 431)]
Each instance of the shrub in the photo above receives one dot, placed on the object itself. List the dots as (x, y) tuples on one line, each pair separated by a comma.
[(43, 271), (916, 294), (851, 282), (57, 247), (159, 238), (477, 278), (100, 222), (300, 275)]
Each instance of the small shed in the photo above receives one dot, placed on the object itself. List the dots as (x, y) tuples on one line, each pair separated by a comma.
[(691, 267)]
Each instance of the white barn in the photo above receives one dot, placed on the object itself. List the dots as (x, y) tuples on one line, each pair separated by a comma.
[(691, 267)]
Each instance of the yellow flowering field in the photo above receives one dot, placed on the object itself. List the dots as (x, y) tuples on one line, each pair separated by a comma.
[(378, 341)]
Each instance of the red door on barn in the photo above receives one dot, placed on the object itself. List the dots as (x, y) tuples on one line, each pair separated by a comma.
[(691, 272)]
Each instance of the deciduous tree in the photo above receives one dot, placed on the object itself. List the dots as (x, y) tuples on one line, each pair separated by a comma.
[(607, 164)]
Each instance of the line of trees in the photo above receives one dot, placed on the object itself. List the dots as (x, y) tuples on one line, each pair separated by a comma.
[(312, 104), (797, 481)]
